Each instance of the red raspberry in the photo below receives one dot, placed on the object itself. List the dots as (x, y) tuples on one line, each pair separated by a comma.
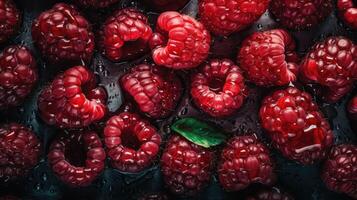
[(155, 90), (10, 19), (300, 14), (132, 143), (77, 158), (181, 42), (269, 194), (63, 35), (19, 151), (186, 167), (228, 16), (96, 4), (352, 111), (348, 11), (331, 64), (125, 35), (218, 88), (296, 126), (166, 5), (72, 99), (269, 58), (340, 170), (245, 161), (18, 75)]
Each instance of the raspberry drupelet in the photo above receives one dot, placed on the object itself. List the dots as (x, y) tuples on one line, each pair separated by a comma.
[(10, 19), (347, 10)]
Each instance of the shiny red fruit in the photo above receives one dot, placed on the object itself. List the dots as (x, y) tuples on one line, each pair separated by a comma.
[(166, 5), (10, 19), (347, 10), (96, 4), (269, 194)]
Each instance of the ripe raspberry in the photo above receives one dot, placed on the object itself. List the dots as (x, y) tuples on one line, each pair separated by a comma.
[(10, 19), (269, 194), (166, 5), (125, 35), (77, 158), (340, 170), (18, 75), (96, 4), (186, 167), (228, 16), (218, 88), (245, 161), (348, 11), (296, 126), (331, 64), (180, 42), (300, 14), (352, 110), (19, 151), (269, 58), (132, 143), (63, 35), (72, 99), (155, 90)]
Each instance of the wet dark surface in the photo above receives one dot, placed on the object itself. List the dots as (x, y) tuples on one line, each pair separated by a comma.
[(302, 181)]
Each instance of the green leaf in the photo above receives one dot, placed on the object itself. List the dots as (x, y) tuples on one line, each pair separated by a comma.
[(199, 132)]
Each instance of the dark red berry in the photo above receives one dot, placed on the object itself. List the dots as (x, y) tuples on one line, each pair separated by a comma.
[(245, 161), (155, 90), (125, 35), (340, 170), (228, 16), (18, 75), (166, 5), (72, 100), (296, 126), (20, 151), (180, 42), (186, 167), (10, 19), (347, 10), (218, 88), (77, 158), (63, 35), (269, 194), (269, 58), (96, 4), (352, 111), (132, 143), (300, 14), (332, 65)]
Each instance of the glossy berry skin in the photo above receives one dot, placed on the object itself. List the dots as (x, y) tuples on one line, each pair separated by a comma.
[(300, 14), (269, 194), (69, 165), (166, 5), (228, 16), (218, 88), (340, 170), (245, 161), (331, 64), (125, 35), (296, 126), (269, 58), (96, 4), (72, 100), (347, 10), (132, 142), (180, 42), (20, 151), (63, 35), (155, 90), (186, 167), (18, 75), (10, 19)]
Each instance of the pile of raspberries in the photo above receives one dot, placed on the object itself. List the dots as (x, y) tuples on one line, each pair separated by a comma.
[(76, 103)]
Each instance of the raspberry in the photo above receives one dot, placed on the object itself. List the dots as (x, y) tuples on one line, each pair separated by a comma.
[(218, 88), (269, 58), (10, 19), (331, 64), (300, 14), (180, 42), (63, 36), (132, 143), (269, 194), (166, 5), (72, 99), (228, 16), (352, 111), (155, 90), (125, 35), (18, 75), (96, 4), (186, 167), (245, 161), (347, 9), (19, 151), (296, 126), (340, 170), (77, 158)]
